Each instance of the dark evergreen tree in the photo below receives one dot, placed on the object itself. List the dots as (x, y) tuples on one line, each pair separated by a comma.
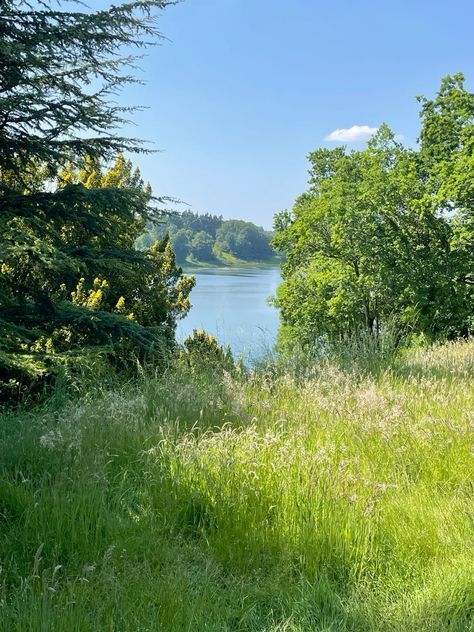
[(58, 72)]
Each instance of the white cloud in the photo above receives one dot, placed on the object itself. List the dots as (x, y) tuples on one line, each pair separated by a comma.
[(351, 134)]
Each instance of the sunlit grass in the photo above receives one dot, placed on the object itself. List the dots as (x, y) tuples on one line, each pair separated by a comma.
[(325, 499)]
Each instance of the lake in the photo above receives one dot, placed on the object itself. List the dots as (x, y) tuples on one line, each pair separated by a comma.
[(232, 304)]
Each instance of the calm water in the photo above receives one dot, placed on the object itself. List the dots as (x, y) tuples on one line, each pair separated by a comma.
[(232, 305)]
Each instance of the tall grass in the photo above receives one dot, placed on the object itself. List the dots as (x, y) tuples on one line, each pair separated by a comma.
[(334, 498)]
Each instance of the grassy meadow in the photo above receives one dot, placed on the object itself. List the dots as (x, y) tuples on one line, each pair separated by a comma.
[(302, 497)]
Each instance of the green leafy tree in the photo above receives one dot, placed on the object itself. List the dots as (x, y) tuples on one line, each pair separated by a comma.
[(181, 228), (244, 240), (201, 246), (447, 152), (364, 245), (197, 222), (181, 242)]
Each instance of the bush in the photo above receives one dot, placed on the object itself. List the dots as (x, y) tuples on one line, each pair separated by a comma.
[(202, 349)]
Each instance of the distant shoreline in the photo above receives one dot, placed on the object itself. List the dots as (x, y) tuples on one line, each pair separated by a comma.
[(223, 265)]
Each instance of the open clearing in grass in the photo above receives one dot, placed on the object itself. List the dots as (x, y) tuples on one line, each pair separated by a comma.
[(339, 500)]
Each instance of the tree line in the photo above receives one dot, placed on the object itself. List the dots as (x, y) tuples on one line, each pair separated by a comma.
[(208, 238)]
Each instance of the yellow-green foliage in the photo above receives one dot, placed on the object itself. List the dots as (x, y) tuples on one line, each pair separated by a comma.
[(201, 501), (201, 348), (72, 281)]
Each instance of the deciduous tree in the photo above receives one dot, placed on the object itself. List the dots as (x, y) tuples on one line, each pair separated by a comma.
[(371, 241)]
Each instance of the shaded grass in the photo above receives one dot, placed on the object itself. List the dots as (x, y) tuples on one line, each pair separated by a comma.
[(325, 499)]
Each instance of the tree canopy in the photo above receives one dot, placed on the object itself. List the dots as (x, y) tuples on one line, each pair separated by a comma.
[(385, 233), (206, 237), (59, 72), (244, 240), (70, 276)]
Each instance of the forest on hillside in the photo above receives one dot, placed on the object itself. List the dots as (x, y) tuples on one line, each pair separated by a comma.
[(208, 238)]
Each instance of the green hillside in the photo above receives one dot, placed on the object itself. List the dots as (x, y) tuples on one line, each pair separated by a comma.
[(209, 240)]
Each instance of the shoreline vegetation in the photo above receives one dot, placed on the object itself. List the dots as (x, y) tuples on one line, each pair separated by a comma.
[(205, 240), (190, 266)]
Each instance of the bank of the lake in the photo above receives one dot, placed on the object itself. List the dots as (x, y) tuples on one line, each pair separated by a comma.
[(190, 265)]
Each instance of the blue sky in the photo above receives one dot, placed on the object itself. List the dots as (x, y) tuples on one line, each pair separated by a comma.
[(244, 89)]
